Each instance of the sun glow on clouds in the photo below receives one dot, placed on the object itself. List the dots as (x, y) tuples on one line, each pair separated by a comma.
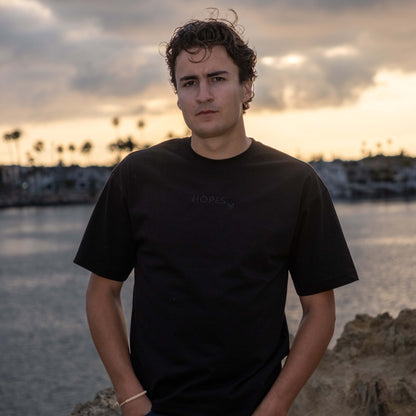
[(86, 32), (29, 6), (284, 61), (296, 60), (334, 132), (341, 131), (341, 50), (70, 67)]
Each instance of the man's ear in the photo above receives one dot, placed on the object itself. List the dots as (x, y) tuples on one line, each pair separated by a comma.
[(248, 92)]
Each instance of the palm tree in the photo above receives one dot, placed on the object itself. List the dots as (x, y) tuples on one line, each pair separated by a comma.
[(363, 148), (141, 125), (30, 159), (15, 136), (60, 150), (86, 148), (121, 146), (116, 146), (379, 146), (389, 143), (116, 123), (7, 137), (71, 148), (130, 145), (39, 146)]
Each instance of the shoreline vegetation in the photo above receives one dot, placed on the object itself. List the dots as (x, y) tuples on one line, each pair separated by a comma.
[(380, 174), (373, 177), (371, 371)]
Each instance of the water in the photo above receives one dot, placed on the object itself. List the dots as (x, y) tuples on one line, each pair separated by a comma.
[(48, 363), (382, 240)]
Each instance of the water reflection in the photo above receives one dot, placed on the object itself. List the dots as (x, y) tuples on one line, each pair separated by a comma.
[(46, 351)]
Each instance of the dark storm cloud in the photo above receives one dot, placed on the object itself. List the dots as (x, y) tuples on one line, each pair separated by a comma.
[(93, 51)]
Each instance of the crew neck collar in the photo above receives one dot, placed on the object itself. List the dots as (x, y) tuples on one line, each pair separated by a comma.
[(239, 156)]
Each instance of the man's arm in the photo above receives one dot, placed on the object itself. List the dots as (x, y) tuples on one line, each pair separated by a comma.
[(312, 338), (109, 332)]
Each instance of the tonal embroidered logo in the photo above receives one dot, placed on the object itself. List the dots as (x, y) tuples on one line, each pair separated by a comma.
[(204, 199)]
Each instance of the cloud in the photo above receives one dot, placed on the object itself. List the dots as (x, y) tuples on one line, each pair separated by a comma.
[(117, 69), (129, 17), (331, 6), (62, 58), (341, 53), (45, 61), (331, 77)]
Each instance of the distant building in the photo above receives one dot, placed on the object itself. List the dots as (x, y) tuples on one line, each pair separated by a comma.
[(335, 177), (373, 177), (50, 185)]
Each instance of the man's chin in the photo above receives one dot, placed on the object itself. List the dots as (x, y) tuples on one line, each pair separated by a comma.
[(205, 134)]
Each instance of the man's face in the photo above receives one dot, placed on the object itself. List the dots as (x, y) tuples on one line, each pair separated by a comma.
[(210, 94)]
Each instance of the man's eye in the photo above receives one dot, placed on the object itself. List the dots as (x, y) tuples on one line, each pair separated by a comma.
[(189, 83), (217, 79)]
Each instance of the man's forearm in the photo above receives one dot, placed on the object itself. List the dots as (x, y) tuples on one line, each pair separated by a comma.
[(310, 343), (108, 329)]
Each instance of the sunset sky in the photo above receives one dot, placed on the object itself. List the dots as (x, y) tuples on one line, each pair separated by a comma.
[(336, 77)]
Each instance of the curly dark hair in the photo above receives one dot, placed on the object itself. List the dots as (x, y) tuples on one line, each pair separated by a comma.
[(197, 35)]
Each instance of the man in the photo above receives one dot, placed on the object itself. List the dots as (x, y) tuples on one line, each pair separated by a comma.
[(211, 225)]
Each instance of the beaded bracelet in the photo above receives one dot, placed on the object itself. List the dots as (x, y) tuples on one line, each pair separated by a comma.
[(133, 398)]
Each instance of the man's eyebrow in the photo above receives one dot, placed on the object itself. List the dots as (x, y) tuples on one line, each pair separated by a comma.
[(187, 78), (210, 75), (216, 73)]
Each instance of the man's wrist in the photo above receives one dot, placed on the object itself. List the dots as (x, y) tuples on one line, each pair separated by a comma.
[(271, 406), (130, 399), (139, 407)]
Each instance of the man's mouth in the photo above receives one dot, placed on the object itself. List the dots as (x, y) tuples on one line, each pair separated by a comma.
[(205, 112)]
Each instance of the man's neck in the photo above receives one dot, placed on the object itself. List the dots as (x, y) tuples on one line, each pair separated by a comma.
[(220, 147)]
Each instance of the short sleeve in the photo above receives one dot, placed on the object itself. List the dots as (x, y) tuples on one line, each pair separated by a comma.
[(107, 247), (320, 259)]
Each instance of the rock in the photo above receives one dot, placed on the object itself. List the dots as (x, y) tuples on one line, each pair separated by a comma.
[(104, 404), (370, 372), (371, 398), (366, 336)]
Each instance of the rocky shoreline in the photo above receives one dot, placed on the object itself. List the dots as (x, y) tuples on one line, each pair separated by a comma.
[(371, 371)]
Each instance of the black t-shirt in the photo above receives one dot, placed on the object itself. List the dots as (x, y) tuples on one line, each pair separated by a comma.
[(211, 243)]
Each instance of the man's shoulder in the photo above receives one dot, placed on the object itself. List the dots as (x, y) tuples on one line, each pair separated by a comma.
[(281, 159), (155, 152), (167, 146)]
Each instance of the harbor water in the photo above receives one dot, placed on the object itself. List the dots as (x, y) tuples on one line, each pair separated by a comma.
[(48, 363)]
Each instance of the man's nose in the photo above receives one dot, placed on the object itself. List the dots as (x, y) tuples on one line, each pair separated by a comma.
[(204, 92)]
